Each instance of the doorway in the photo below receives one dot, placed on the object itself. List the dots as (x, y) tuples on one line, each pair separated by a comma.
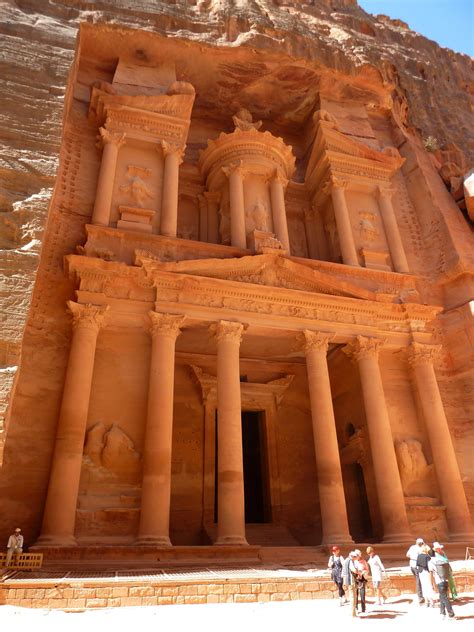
[(255, 468), (358, 512)]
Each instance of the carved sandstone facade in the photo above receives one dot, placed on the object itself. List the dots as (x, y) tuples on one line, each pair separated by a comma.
[(255, 340)]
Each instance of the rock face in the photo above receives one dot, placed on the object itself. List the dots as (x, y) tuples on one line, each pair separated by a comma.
[(311, 137)]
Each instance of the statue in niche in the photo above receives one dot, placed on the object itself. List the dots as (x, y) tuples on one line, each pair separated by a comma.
[(136, 188), (243, 121), (224, 223), (260, 217), (416, 475), (368, 232), (111, 448)]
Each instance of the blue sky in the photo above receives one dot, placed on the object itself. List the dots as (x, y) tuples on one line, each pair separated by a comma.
[(448, 22)]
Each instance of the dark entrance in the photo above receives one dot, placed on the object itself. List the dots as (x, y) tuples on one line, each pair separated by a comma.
[(358, 513), (255, 468)]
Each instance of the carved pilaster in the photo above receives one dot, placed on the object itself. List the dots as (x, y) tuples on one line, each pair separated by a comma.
[(168, 325), (385, 192), (362, 347), (334, 182), (420, 354), (87, 316), (237, 168)]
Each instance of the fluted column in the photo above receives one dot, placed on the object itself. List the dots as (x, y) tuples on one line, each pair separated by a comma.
[(278, 184), (235, 172), (387, 476), (230, 474), (392, 231), (156, 483), (60, 508), (335, 525), (343, 222), (169, 200), (453, 496), (105, 184), (213, 198)]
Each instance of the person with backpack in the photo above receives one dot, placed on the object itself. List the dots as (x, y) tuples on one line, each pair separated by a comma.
[(440, 554), (441, 570), (424, 572), (335, 563), (359, 572)]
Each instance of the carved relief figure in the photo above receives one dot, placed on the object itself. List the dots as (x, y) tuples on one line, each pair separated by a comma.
[(111, 448), (367, 229), (136, 188), (416, 475)]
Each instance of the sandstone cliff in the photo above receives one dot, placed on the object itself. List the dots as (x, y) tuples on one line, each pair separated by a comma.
[(431, 90)]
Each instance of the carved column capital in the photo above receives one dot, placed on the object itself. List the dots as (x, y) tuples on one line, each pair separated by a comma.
[(114, 138), (172, 148), (87, 316), (316, 340), (212, 197), (385, 192), (277, 176), (235, 167), (227, 330), (165, 324), (334, 182), (362, 347), (419, 354)]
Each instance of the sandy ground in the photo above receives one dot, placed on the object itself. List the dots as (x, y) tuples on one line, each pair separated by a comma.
[(399, 612)]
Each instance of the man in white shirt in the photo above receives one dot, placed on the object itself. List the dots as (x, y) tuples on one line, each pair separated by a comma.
[(15, 545), (412, 555)]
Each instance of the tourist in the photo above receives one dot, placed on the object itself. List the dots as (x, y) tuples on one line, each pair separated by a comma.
[(412, 554), (346, 576), (440, 555), (376, 570), (359, 571), (441, 570), (424, 571), (335, 563), (15, 545)]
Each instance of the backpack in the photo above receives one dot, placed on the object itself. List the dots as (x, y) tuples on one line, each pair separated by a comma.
[(443, 569)]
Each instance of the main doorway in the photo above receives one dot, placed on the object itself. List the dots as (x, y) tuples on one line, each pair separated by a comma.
[(255, 466)]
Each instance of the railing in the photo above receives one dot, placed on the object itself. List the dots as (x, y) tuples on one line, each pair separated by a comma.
[(22, 561)]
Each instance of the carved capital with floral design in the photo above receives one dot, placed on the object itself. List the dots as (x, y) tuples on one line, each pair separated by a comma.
[(168, 325), (226, 330), (277, 176), (235, 167), (87, 316), (362, 347), (385, 192), (334, 182), (420, 354), (315, 341), (172, 148), (108, 137)]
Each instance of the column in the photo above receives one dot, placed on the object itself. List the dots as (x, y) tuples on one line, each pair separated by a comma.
[(235, 173), (343, 222), (230, 469), (278, 184), (335, 525), (105, 184), (453, 496), (156, 483), (202, 201), (213, 198), (392, 232), (387, 476), (169, 200), (61, 501)]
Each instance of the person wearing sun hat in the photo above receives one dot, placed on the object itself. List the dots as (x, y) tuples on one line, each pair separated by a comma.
[(412, 555), (441, 570), (440, 554)]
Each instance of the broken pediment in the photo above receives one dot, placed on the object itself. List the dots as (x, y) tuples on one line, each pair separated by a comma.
[(338, 155), (272, 270)]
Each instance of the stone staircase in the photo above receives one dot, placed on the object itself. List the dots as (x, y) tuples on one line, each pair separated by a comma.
[(265, 534)]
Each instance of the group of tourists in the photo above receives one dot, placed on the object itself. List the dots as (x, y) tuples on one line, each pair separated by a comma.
[(351, 574), (430, 566)]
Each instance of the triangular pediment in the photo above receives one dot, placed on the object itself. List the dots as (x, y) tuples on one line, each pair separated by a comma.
[(272, 270)]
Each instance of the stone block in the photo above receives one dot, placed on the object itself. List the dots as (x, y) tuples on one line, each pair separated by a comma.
[(244, 598), (167, 601), (279, 596), (76, 603), (263, 597), (229, 598), (187, 590), (141, 591), (212, 599), (114, 602), (303, 594), (131, 601), (120, 591), (215, 589), (57, 603), (96, 603), (195, 599), (170, 591)]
